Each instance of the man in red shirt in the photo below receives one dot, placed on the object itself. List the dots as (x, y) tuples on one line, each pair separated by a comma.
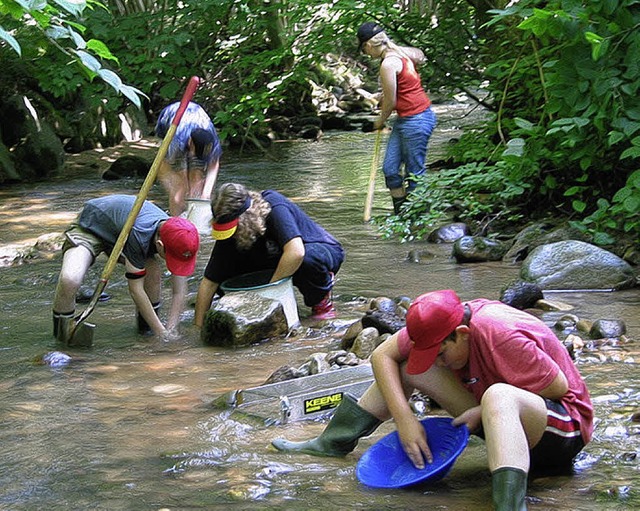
[(500, 371)]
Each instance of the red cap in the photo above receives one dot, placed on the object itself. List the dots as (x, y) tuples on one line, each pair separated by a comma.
[(181, 242), (431, 318)]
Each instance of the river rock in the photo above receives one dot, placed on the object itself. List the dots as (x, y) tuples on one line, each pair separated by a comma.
[(576, 265), (243, 318), (127, 166), (607, 328), (366, 342), (383, 321), (539, 234), (521, 295), (350, 335), (475, 249), (449, 233)]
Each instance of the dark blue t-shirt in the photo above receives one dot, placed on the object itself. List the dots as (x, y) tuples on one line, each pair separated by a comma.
[(285, 222)]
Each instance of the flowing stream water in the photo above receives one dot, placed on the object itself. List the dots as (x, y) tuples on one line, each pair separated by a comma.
[(128, 424)]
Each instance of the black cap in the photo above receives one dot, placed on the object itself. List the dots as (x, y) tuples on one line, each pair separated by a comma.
[(367, 31)]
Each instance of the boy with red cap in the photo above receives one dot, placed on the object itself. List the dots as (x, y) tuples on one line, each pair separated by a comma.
[(500, 371), (154, 233)]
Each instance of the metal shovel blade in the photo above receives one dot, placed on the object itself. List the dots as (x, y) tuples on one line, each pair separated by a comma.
[(76, 334)]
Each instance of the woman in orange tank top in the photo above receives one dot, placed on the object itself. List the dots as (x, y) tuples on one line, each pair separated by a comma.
[(403, 94)]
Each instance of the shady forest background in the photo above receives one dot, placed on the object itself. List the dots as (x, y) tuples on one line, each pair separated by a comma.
[(559, 80)]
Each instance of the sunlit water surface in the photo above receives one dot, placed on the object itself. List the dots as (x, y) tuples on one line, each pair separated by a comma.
[(128, 424)]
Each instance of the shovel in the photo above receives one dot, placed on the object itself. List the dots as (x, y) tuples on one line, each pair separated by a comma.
[(80, 333), (372, 177)]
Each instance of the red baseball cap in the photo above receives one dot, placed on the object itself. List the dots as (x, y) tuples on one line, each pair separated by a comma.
[(431, 318), (181, 242)]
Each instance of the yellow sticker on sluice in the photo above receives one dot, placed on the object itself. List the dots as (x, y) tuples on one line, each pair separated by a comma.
[(318, 404)]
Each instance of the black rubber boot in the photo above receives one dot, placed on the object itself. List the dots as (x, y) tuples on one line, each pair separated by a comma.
[(509, 489), (349, 423), (397, 204), (61, 320), (143, 326)]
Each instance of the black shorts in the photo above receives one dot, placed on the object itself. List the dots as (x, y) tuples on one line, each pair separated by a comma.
[(560, 443)]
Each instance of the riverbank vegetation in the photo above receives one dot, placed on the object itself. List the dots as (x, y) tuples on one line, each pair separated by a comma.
[(560, 79)]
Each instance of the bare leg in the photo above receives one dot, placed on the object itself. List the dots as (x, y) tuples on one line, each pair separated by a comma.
[(438, 383), (195, 183), (176, 184), (75, 263), (514, 421)]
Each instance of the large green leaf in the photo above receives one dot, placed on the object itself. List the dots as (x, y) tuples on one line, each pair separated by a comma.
[(10, 40)]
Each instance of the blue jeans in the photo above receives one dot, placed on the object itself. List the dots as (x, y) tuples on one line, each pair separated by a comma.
[(408, 144)]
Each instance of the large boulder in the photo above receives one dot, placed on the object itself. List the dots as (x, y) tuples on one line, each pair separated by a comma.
[(576, 265), (36, 150), (243, 318)]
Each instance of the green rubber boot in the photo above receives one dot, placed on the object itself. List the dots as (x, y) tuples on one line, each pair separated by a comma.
[(349, 423), (509, 489)]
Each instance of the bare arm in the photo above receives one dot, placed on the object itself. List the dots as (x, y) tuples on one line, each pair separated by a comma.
[(389, 70), (386, 362), (206, 292), (141, 299), (290, 260), (557, 388), (178, 299)]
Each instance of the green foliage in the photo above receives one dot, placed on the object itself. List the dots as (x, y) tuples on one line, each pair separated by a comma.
[(50, 31), (477, 193), (565, 80), (622, 214)]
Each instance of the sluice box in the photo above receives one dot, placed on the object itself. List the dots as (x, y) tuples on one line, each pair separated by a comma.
[(305, 398)]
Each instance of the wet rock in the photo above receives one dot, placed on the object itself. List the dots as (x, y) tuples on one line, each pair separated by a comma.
[(576, 265), (284, 373), (350, 335), (243, 318), (366, 342), (521, 295), (349, 359), (635, 416), (333, 356), (449, 233), (383, 304), (126, 167), (318, 363), (382, 321), (539, 234), (550, 305), (54, 359), (476, 249), (404, 302), (420, 256), (606, 328)]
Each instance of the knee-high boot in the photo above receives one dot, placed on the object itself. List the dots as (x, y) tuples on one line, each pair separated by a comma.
[(509, 489), (349, 423), (143, 326), (398, 197)]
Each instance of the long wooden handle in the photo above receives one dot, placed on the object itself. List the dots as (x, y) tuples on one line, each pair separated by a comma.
[(372, 177), (142, 196)]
